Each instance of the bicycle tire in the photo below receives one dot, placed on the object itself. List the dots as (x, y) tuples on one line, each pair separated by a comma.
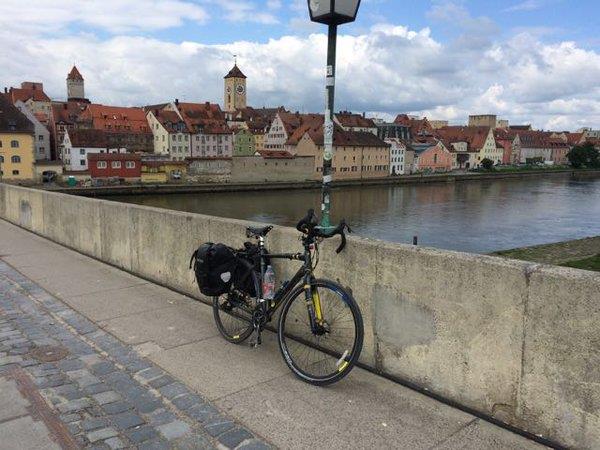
[(221, 316), (345, 362)]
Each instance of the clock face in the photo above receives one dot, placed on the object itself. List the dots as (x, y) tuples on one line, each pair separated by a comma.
[(240, 89)]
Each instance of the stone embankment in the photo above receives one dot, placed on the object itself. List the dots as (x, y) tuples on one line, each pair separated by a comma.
[(105, 191), (558, 253), (514, 340)]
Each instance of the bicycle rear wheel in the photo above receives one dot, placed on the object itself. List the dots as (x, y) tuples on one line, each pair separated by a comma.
[(233, 317), (328, 354)]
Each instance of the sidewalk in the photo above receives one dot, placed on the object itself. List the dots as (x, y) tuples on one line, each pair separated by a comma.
[(137, 365)]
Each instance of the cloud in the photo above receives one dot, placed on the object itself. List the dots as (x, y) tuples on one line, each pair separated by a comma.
[(246, 11), (386, 70), (527, 5), (115, 16)]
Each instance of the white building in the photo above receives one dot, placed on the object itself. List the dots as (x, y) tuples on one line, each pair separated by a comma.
[(78, 144), (42, 135), (171, 136), (398, 163)]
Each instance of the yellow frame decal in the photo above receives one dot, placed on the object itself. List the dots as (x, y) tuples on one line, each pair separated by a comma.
[(317, 305)]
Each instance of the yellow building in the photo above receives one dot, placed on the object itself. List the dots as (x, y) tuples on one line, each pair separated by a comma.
[(160, 171), (357, 155), (17, 149)]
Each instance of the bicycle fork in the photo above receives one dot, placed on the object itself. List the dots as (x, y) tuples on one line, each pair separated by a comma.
[(314, 308)]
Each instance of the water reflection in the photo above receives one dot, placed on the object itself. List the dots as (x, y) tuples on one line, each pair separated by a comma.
[(472, 216)]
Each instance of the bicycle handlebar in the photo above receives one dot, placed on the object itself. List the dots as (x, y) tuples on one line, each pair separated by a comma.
[(309, 226)]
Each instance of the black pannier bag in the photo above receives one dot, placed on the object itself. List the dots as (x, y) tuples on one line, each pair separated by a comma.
[(248, 264), (214, 265)]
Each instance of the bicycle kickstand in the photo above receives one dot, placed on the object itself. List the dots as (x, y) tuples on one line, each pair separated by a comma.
[(258, 341)]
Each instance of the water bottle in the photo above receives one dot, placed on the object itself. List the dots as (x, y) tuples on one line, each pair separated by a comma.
[(269, 284)]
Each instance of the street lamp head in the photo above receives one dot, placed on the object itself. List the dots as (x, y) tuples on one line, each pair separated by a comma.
[(333, 12)]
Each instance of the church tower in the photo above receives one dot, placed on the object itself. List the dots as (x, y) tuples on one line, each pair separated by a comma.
[(235, 89), (75, 90)]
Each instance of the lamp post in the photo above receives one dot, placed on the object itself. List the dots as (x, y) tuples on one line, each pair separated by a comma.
[(331, 13)]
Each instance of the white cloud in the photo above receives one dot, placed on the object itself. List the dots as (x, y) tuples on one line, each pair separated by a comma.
[(527, 5), (387, 70), (115, 16)]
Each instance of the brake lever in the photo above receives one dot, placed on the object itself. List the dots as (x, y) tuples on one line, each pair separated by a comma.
[(342, 244)]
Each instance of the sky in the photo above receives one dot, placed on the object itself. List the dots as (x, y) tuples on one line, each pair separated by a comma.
[(529, 61)]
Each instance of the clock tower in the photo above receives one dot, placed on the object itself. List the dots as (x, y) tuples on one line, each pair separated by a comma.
[(235, 89)]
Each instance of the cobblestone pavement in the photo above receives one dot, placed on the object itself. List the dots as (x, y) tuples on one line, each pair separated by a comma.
[(102, 391)]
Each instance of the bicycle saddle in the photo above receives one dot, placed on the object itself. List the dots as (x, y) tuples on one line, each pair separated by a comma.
[(258, 231)]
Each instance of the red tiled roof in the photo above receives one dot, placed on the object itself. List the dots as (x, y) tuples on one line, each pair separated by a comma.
[(204, 118), (475, 137), (22, 94), (574, 138), (69, 112), (88, 138), (534, 139), (341, 138), (417, 126), (12, 120), (74, 74), (117, 118), (169, 120), (349, 120)]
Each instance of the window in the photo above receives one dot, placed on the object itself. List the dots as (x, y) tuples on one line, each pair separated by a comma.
[(116, 164), (15, 159), (82, 162), (14, 144), (82, 151), (101, 164), (130, 164), (0, 144), (41, 137), (15, 172), (1, 159)]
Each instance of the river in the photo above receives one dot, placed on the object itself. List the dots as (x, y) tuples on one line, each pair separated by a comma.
[(473, 216)]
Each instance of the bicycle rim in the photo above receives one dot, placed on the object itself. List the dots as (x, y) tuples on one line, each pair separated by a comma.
[(233, 321), (325, 358)]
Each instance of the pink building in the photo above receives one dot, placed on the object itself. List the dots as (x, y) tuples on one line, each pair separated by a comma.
[(436, 158)]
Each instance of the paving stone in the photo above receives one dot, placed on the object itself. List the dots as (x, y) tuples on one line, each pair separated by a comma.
[(104, 398), (141, 434), (94, 423), (173, 430), (235, 437), (101, 434), (103, 368), (147, 403), (74, 405), (173, 390), (71, 364), (192, 441), (150, 373), (218, 426), (162, 381), (116, 408), (154, 444), (115, 443), (161, 416), (203, 413), (96, 388), (254, 444), (68, 418), (127, 420), (187, 401)]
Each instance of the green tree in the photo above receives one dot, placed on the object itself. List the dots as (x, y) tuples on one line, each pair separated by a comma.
[(487, 164), (584, 156)]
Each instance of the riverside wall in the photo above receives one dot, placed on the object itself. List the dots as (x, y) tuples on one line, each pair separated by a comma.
[(514, 340)]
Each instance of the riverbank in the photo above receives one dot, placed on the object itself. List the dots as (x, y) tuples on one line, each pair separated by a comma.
[(580, 254), (153, 189)]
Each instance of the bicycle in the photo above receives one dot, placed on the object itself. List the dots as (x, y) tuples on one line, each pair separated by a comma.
[(320, 329)]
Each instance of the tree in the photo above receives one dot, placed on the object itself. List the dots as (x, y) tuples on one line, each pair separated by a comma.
[(487, 164), (584, 156)]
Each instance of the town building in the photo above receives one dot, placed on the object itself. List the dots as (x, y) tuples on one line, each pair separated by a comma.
[(42, 135), (471, 145), (535, 147), (244, 143), (78, 144), (163, 171), (171, 135), (210, 136), (75, 86), (283, 127), (235, 90), (510, 143), (401, 157), (417, 127), (125, 127), (357, 155), (125, 166), (434, 158), (256, 120), (355, 122), (483, 120), (16, 143), (393, 130), (33, 96), (66, 116)]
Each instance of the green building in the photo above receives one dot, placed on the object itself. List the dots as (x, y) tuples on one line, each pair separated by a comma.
[(244, 143)]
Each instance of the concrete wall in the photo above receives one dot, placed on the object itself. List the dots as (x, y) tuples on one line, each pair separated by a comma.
[(248, 169), (515, 340)]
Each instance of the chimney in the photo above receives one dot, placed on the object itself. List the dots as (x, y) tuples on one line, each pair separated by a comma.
[(177, 102), (65, 106), (364, 115), (5, 90)]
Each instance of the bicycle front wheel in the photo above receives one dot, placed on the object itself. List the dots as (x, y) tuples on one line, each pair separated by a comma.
[(327, 354)]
